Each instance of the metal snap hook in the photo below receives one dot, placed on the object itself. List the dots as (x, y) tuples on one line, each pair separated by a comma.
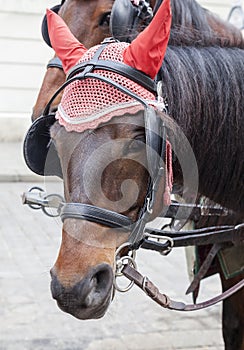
[(34, 192)]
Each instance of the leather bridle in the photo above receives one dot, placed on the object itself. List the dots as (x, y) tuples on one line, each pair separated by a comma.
[(155, 132)]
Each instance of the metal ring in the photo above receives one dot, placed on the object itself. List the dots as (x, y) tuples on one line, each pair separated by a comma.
[(44, 209), (118, 273), (35, 206), (120, 263), (122, 246)]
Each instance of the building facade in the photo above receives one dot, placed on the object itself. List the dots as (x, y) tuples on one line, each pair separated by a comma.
[(24, 56)]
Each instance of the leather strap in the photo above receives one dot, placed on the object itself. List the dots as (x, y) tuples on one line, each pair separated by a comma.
[(209, 235), (55, 62), (116, 67), (204, 267), (95, 214), (163, 300), (193, 212)]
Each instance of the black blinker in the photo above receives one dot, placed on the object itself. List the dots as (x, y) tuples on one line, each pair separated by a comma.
[(44, 27)]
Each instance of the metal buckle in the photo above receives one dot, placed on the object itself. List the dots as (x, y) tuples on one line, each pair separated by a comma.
[(160, 238), (149, 210)]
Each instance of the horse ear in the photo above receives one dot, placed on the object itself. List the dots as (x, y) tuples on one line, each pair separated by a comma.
[(66, 46), (147, 51)]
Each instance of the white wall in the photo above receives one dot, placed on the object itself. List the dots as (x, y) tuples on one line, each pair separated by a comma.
[(23, 59), (220, 7)]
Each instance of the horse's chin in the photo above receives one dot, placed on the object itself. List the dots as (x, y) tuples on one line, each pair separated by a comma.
[(87, 313), (84, 313)]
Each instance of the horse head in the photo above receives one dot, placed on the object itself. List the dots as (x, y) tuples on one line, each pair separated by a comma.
[(110, 140)]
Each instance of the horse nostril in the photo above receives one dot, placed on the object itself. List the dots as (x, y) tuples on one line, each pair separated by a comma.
[(56, 288), (100, 284), (103, 276)]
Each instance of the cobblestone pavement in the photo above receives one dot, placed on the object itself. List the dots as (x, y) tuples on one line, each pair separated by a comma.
[(30, 319)]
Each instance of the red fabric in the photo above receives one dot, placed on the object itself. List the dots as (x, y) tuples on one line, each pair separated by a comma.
[(66, 46), (147, 51)]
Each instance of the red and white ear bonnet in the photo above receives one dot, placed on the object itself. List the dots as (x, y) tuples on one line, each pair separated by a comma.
[(86, 104)]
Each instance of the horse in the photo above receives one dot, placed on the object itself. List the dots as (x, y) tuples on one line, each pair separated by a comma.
[(83, 270), (186, 58)]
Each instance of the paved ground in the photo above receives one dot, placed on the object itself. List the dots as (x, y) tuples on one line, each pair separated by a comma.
[(30, 319)]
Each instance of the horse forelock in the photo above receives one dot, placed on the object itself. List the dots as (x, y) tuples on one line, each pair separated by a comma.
[(204, 89)]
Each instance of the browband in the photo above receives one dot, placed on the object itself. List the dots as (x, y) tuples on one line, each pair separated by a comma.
[(116, 67)]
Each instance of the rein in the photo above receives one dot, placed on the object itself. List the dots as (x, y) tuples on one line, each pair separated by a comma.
[(163, 300)]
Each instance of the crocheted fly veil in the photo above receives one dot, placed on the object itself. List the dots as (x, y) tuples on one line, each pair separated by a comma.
[(87, 103)]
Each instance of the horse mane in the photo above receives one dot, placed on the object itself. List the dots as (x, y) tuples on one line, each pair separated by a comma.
[(204, 90), (187, 36)]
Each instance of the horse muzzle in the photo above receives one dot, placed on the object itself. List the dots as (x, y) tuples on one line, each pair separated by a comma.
[(90, 297)]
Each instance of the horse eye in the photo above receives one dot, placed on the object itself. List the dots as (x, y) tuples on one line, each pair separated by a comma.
[(105, 19), (136, 145)]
